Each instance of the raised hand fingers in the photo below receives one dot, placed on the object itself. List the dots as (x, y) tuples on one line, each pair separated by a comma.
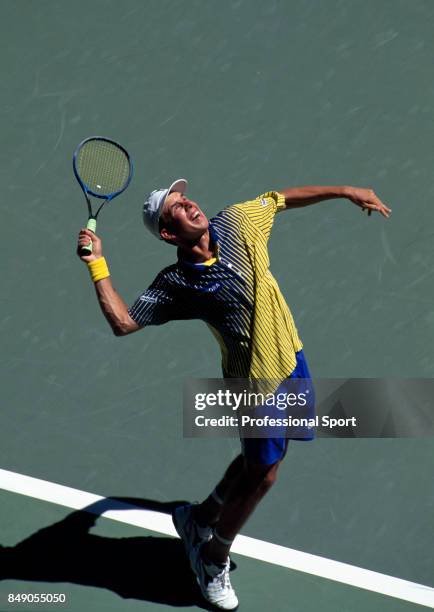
[(373, 203), (381, 208)]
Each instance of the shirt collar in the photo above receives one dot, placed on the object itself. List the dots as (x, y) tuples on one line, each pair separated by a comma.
[(203, 265)]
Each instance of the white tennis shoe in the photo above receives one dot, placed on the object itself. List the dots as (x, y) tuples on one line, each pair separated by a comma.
[(191, 534), (214, 582)]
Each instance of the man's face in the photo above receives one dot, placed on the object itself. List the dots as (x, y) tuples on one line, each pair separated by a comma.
[(182, 219)]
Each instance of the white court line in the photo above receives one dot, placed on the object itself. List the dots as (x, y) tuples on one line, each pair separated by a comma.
[(249, 547)]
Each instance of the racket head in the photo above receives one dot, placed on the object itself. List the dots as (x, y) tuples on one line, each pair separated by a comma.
[(102, 166)]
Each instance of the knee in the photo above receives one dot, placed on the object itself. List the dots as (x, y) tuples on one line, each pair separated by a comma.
[(270, 478), (263, 477)]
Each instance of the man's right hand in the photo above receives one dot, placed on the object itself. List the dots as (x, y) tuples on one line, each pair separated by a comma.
[(84, 237)]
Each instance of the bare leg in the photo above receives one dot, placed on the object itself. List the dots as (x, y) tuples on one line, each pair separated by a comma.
[(245, 491), (208, 513)]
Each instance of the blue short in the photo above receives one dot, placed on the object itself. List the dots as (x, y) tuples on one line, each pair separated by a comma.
[(267, 451)]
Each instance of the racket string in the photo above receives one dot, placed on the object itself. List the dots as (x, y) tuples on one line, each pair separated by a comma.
[(103, 167)]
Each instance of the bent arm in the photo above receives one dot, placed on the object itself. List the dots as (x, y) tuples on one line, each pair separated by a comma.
[(112, 305), (366, 199)]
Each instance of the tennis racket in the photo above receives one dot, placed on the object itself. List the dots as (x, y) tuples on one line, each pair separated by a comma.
[(104, 170)]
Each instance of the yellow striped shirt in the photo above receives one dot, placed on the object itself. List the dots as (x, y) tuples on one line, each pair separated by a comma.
[(275, 338), (234, 293)]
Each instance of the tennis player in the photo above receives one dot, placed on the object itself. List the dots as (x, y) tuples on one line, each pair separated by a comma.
[(222, 277)]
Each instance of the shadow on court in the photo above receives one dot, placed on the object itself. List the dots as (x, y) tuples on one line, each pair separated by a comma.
[(146, 568)]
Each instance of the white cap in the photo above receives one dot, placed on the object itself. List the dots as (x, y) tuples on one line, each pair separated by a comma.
[(154, 203)]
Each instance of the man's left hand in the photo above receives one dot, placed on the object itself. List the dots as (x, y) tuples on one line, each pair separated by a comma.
[(367, 200)]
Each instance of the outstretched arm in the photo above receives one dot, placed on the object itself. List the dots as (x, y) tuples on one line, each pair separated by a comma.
[(112, 305), (296, 197)]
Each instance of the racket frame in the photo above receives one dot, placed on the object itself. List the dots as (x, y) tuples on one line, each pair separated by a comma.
[(86, 188), (91, 223)]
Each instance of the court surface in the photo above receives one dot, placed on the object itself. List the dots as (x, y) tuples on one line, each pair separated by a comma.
[(238, 97)]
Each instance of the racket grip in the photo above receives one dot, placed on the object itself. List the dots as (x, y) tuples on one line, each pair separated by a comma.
[(91, 225)]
